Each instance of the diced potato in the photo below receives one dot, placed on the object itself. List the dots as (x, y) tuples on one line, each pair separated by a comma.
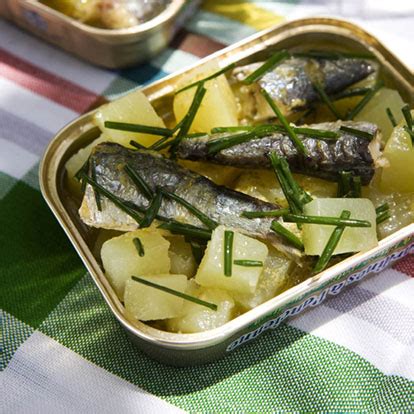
[(375, 110), (273, 280), (399, 174), (243, 279), (103, 236), (133, 108), (147, 303), (121, 260), (354, 239), (181, 256), (219, 174), (218, 107), (264, 185), (198, 318)]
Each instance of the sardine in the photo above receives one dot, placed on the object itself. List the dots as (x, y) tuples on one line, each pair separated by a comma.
[(324, 159), (290, 84), (219, 203)]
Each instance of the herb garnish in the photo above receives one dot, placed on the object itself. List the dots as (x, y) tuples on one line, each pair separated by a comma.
[(323, 54), (331, 245), (383, 213), (248, 263), (137, 145), (95, 191), (207, 78), (348, 93), (357, 132), (325, 98), (152, 210), (325, 220), (228, 251), (267, 66), (188, 230), (174, 292), (391, 117), (361, 104), (349, 186), (286, 234), (297, 142), (139, 246), (407, 116), (146, 129), (263, 214), (139, 182)]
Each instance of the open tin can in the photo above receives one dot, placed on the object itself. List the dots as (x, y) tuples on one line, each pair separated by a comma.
[(190, 349), (111, 48)]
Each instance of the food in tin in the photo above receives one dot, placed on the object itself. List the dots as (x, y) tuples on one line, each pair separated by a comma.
[(109, 14), (198, 243)]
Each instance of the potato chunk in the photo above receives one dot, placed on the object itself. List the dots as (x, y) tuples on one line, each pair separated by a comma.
[(243, 279), (133, 108), (354, 239), (121, 260), (147, 303), (198, 318), (218, 107), (181, 256)]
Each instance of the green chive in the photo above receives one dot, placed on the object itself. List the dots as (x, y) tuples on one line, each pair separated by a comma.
[(188, 118), (382, 208), (95, 192), (158, 144), (407, 115), (219, 130), (262, 214), (361, 104), (317, 133), (344, 183), (385, 215), (139, 182), (121, 204), (212, 76), (137, 145), (286, 234), (297, 142), (357, 132), (177, 293), (409, 132), (152, 211), (391, 117), (125, 126), (321, 54), (84, 170), (248, 263), (325, 220), (350, 93), (139, 246), (228, 251), (331, 245), (325, 98), (198, 251), (267, 66), (211, 224), (356, 187), (186, 230)]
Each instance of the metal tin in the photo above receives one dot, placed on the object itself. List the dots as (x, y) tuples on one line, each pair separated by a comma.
[(190, 349), (110, 48)]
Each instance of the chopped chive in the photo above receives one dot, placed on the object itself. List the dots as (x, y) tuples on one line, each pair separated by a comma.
[(325, 98), (212, 76), (248, 263), (407, 116), (83, 170), (198, 250), (350, 93), (356, 186), (174, 292), (382, 208), (409, 132), (344, 183), (331, 245), (267, 66), (196, 135), (188, 118), (262, 214), (297, 142), (361, 104), (186, 230), (152, 211), (139, 246), (286, 234), (228, 251), (146, 129), (321, 54), (137, 145), (325, 220), (391, 117), (219, 130), (381, 217), (121, 204), (357, 132), (95, 191), (157, 145), (317, 133), (139, 182), (211, 224)]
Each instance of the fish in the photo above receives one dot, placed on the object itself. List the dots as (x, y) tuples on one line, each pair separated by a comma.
[(324, 158), (290, 84), (219, 203)]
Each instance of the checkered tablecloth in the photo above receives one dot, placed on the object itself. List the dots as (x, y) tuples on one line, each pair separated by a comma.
[(62, 351)]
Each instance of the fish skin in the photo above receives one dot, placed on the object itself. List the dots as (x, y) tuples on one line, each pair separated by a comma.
[(324, 159), (290, 83), (219, 203)]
